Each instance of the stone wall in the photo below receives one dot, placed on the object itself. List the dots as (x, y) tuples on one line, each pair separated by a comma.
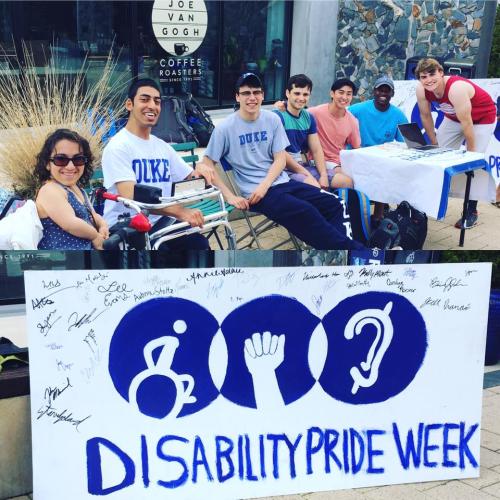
[(376, 37)]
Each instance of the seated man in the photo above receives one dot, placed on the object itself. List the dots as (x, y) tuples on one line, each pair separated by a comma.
[(378, 123), (133, 156), (253, 141), (337, 128), (300, 128)]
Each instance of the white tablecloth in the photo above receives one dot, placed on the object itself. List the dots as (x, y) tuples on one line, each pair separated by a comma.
[(391, 173)]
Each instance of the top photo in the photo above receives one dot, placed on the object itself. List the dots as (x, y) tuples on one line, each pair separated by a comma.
[(233, 125)]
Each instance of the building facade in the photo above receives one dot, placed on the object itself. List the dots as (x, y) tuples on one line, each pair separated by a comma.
[(202, 47)]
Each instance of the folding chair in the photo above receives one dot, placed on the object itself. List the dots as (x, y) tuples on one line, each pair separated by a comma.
[(262, 227), (207, 206)]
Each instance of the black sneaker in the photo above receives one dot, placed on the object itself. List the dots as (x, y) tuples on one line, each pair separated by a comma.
[(470, 221)]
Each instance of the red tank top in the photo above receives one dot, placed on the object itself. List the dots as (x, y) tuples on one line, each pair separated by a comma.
[(483, 108)]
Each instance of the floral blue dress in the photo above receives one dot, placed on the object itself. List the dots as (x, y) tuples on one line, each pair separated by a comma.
[(56, 238)]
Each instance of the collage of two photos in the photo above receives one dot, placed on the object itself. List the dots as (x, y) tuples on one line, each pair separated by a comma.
[(249, 249)]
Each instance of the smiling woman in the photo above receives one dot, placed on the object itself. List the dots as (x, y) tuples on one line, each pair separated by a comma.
[(64, 166)]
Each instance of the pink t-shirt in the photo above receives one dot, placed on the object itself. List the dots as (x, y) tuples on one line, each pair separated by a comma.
[(334, 133)]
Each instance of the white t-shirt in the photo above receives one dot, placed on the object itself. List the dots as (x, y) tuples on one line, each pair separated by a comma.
[(145, 161)]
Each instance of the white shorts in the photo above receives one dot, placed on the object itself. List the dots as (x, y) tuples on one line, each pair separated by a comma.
[(450, 135)]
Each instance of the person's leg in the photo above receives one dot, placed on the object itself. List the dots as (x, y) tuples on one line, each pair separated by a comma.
[(341, 180), (296, 177), (378, 212), (316, 217), (450, 135), (336, 179), (482, 136)]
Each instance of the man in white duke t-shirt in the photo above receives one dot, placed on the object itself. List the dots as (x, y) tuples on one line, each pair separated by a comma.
[(135, 156)]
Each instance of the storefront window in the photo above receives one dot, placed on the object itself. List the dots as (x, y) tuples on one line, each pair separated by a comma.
[(229, 48), (256, 45), (238, 36), (67, 35)]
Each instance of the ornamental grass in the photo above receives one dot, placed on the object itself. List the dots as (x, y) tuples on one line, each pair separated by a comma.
[(35, 103)]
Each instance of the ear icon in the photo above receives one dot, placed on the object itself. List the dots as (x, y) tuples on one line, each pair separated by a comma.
[(383, 324)]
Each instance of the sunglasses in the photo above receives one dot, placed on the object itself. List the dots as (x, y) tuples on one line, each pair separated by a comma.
[(62, 160)]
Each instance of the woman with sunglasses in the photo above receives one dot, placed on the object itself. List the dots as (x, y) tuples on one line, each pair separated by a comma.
[(63, 168)]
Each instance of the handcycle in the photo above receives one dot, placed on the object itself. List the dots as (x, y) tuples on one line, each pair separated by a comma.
[(133, 231)]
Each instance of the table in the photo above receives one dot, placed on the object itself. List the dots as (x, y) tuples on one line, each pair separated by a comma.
[(391, 173)]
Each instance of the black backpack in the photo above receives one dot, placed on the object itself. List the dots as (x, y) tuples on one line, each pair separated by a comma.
[(199, 121), (182, 119), (405, 226), (172, 125)]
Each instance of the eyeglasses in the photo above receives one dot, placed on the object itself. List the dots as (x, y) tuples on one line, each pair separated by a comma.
[(248, 93), (62, 160)]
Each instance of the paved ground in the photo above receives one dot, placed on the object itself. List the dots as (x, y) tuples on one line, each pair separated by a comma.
[(487, 486), (441, 235)]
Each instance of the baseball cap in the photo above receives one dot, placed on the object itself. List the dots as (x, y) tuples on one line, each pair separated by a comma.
[(250, 79), (384, 80)]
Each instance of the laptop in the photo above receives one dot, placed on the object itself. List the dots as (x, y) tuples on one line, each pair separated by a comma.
[(414, 139)]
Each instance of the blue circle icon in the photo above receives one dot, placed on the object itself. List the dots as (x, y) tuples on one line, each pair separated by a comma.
[(376, 344), (275, 327), (158, 357)]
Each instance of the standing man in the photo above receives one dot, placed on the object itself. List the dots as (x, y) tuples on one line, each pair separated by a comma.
[(134, 156), (253, 141), (301, 130), (470, 115), (378, 123), (337, 128)]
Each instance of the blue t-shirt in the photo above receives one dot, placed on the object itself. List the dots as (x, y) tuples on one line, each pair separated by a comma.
[(249, 147), (377, 127), (298, 129)]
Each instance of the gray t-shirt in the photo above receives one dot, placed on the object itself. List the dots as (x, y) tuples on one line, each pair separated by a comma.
[(249, 147)]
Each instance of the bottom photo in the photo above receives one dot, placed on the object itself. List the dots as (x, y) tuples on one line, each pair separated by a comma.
[(249, 374)]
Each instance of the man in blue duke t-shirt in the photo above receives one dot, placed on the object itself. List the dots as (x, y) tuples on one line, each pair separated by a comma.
[(378, 122), (253, 141)]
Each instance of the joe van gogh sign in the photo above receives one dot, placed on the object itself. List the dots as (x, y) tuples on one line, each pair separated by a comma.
[(231, 383), (180, 27)]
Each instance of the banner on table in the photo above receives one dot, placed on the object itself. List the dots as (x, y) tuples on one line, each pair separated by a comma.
[(404, 98), (247, 382)]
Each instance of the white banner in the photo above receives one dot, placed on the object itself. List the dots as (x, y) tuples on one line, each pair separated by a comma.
[(246, 382), (405, 99)]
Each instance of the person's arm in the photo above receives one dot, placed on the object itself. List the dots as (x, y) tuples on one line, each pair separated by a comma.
[(274, 171), (229, 196), (53, 200), (355, 136), (319, 159), (206, 171), (460, 95), (401, 121), (280, 105), (102, 225), (424, 106)]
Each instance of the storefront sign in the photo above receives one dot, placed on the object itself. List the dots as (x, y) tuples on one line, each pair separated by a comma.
[(179, 25), (247, 382), (180, 69), (404, 98)]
